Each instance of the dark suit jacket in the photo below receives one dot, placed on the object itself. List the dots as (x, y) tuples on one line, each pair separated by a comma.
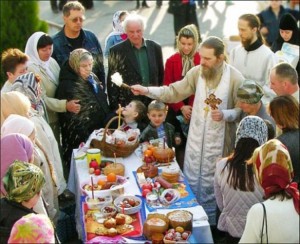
[(123, 60)]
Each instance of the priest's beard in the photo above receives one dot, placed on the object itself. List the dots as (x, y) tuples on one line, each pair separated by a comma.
[(246, 43), (212, 75), (209, 73)]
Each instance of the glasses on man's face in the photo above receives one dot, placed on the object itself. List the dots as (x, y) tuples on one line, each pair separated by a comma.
[(76, 19)]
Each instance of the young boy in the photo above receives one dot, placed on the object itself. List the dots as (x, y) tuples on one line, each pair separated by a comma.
[(158, 128), (134, 114)]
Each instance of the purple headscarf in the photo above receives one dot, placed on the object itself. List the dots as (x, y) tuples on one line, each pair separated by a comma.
[(14, 147)]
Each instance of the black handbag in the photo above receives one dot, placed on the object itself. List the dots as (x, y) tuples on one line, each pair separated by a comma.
[(263, 225)]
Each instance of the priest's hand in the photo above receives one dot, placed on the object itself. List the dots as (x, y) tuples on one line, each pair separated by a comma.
[(216, 115), (139, 90)]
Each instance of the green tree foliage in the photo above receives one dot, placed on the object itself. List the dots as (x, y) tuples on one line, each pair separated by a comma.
[(19, 20)]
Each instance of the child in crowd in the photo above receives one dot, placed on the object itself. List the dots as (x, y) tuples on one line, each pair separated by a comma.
[(158, 128), (134, 115)]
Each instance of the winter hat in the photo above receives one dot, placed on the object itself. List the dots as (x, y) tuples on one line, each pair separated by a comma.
[(252, 127), (288, 22), (250, 92)]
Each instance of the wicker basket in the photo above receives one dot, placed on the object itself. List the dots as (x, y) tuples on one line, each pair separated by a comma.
[(108, 149)]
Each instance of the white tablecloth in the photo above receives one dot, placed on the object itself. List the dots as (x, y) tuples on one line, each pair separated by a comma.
[(79, 173)]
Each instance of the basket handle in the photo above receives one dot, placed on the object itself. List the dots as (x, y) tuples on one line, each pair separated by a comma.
[(108, 124)]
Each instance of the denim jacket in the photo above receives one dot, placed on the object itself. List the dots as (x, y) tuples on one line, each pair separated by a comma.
[(62, 49)]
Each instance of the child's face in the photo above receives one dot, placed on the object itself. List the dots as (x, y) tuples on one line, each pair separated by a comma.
[(130, 111), (157, 117)]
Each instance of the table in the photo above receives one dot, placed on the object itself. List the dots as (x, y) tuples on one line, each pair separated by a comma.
[(79, 173)]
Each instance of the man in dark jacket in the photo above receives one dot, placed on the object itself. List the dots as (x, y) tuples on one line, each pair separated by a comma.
[(73, 36), (139, 61)]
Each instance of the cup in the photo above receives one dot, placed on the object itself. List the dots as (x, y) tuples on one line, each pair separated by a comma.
[(93, 154)]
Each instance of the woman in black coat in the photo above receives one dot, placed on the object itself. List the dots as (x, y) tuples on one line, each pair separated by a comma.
[(76, 81), (289, 33)]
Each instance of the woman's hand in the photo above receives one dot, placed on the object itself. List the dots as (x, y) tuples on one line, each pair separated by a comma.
[(73, 106), (139, 90)]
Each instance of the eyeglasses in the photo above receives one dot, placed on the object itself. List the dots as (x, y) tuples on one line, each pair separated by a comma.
[(76, 19)]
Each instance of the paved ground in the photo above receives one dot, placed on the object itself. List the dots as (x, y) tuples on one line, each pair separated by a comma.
[(219, 19)]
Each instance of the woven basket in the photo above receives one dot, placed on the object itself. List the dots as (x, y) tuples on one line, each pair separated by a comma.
[(108, 149)]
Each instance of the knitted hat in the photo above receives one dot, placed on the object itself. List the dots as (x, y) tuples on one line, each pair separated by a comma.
[(252, 127), (288, 22), (32, 228), (250, 92)]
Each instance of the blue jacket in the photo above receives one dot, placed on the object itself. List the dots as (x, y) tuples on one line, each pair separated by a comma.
[(62, 49)]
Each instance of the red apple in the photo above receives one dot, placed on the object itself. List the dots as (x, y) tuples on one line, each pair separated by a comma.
[(97, 171), (94, 164), (145, 192), (147, 186)]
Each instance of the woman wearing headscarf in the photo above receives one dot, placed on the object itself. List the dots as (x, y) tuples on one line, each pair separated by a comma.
[(276, 220), (29, 85), (76, 79), (235, 186), (39, 48), (176, 68), (19, 124), (23, 151), (285, 111), (118, 34), (32, 228), (14, 102), (23, 183), (288, 33)]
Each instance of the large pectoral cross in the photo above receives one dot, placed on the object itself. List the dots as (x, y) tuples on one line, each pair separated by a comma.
[(212, 103)]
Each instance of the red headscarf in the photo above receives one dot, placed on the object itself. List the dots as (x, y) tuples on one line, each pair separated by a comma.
[(274, 171)]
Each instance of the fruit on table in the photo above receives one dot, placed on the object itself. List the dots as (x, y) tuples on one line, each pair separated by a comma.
[(91, 170), (94, 164), (145, 192), (97, 171), (111, 177), (147, 186)]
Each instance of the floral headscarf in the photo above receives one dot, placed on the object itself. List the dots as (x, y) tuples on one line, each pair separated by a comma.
[(75, 58), (188, 60), (23, 181), (14, 147), (28, 85), (252, 127), (274, 171), (32, 228)]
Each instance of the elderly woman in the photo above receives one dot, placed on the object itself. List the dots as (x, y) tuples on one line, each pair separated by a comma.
[(76, 80), (23, 183), (18, 124), (23, 151), (29, 85), (39, 48), (276, 220), (235, 180), (36, 228)]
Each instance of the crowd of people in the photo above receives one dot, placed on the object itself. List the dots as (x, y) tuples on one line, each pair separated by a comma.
[(233, 118)]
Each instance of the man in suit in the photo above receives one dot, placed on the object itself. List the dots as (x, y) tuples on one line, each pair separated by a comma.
[(138, 60)]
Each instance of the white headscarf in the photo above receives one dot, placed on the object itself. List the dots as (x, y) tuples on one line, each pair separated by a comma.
[(34, 58), (15, 123)]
